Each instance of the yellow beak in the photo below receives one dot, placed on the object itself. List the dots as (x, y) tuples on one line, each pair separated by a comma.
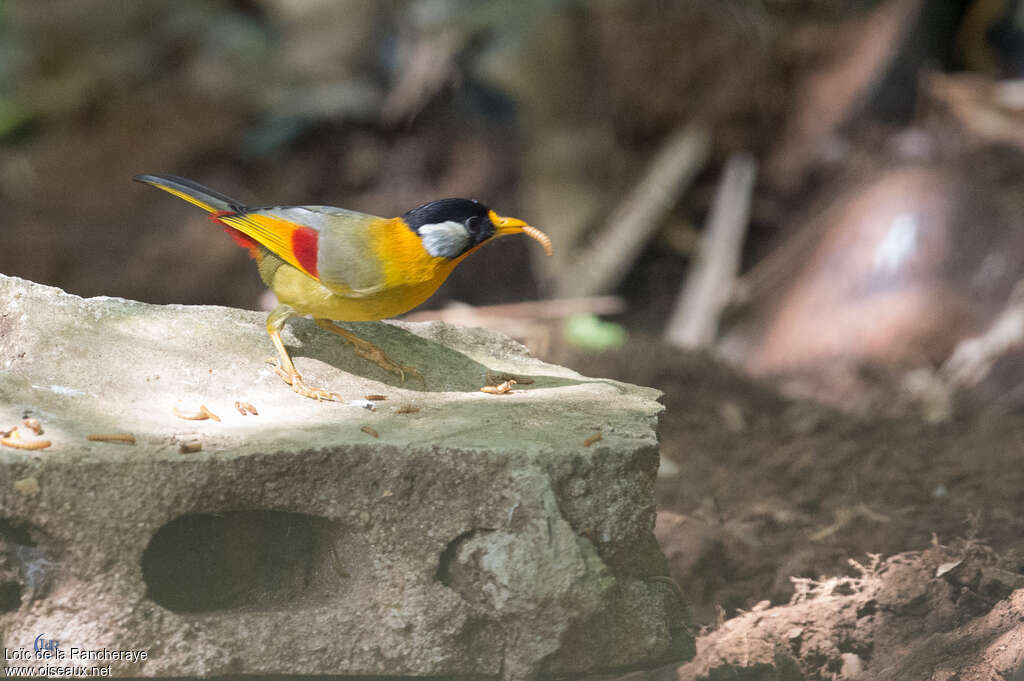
[(515, 226)]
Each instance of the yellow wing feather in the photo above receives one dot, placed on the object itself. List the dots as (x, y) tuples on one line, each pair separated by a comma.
[(293, 242), (276, 237)]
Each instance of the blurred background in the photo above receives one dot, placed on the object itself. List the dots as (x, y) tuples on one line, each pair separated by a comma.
[(875, 200), (821, 198)]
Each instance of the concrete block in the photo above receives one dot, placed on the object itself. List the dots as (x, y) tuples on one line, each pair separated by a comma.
[(443, 533)]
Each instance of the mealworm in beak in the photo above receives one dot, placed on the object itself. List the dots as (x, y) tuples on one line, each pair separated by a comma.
[(540, 236)]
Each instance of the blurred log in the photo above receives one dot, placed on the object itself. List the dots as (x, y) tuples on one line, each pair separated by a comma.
[(600, 266), (973, 358), (990, 111), (709, 284)]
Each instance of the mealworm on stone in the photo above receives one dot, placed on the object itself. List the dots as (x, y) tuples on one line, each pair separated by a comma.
[(24, 444), (191, 447), (189, 417), (244, 408), (376, 398), (201, 415), (596, 437), (126, 438), (370, 431), (500, 389)]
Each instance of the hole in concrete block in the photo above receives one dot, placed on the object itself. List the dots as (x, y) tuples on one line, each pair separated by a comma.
[(10, 596), (25, 564), (15, 533), (260, 560), (459, 566), (446, 562)]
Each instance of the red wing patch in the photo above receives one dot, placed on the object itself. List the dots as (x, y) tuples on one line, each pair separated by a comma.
[(304, 246), (242, 240), (294, 243)]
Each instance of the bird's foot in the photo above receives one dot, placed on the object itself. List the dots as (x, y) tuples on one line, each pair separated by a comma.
[(369, 351), (293, 379)]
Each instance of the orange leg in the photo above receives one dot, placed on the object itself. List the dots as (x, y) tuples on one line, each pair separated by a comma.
[(284, 367), (368, 350)]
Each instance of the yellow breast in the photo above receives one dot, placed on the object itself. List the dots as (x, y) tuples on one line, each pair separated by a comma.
[(410, 276)]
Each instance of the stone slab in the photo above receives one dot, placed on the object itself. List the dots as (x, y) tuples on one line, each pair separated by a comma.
[(444, 533)]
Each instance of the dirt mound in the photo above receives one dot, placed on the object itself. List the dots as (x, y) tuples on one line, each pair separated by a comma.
[(951, 612)]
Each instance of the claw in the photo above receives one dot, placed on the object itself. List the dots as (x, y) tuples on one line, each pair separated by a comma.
[(368, 350), (377, 356), (293, 379)]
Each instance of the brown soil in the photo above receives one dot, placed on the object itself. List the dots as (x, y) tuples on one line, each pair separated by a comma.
[(816, 545)]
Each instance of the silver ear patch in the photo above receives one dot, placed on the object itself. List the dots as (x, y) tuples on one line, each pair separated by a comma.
[(445, 239)]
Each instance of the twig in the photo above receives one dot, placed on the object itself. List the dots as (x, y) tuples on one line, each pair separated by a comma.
[(990, 111), (602, 265), (973, 358), (694, 323)]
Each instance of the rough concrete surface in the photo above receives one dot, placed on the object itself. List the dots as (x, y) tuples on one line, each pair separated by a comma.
[(446, 533)]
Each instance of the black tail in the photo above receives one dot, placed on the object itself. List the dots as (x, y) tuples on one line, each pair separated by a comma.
[(193, 192)]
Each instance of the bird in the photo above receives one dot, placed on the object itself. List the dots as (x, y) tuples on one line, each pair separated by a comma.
[(334, 264)]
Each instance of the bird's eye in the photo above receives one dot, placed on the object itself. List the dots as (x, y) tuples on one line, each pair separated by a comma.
[(474, 224)]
